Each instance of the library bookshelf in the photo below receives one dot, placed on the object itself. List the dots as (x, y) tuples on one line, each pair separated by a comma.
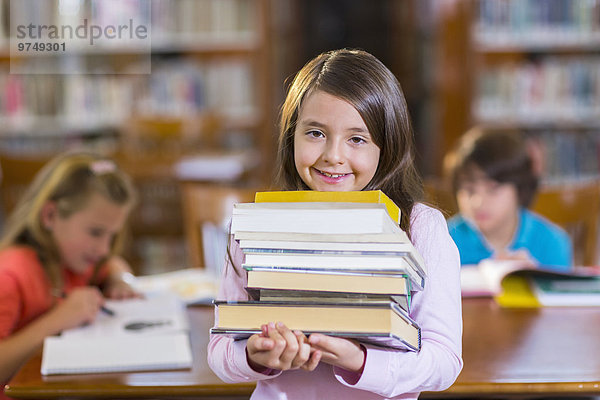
[(527, 66), (533, 67), (209, 92)]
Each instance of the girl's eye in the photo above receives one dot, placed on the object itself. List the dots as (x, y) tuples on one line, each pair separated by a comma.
[(315, 134), (96, 232), (357, 140)]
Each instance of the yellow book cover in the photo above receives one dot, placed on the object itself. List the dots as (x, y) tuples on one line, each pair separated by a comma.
[(517, 293), (363, 196)]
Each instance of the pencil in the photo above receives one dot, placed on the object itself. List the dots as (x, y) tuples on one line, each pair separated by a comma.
[(107, 311)]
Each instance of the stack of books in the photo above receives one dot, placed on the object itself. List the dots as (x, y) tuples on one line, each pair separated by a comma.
[(329, 262)]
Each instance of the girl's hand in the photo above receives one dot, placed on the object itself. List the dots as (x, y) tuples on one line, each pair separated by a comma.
[(79, 307), (119, 289), (344, 353), (277, 347)]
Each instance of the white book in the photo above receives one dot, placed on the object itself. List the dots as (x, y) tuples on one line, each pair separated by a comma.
[(396, 237), (141, 335), (313, 217), (122, 354)]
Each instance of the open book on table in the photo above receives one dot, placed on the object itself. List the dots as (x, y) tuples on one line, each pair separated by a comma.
[(193, 286), (143, 335), (517, 284)]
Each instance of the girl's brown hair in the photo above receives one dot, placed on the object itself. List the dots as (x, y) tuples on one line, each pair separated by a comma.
[(69, 180), (363, 81)]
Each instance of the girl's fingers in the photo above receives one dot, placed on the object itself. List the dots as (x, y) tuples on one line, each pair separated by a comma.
[(264, 344), (291, 345), (313, 361), (278, 340), (302, 356)]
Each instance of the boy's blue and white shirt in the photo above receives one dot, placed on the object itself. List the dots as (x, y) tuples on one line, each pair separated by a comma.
[(547, 243)]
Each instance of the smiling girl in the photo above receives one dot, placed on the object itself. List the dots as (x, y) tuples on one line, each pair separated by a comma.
[(58, 253), (345, 126)]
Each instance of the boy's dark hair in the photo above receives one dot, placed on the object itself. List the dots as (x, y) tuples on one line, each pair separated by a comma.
[(501, 155)]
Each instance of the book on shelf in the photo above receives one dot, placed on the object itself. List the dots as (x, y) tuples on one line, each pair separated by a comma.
[(519, 284), (142, 335), (363, 196), (316, 217), (382, 324)]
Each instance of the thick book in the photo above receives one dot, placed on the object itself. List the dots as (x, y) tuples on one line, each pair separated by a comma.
[(328, 281), (383, 324), (320, 218), (365, 196), (400, 263), (142, 334)]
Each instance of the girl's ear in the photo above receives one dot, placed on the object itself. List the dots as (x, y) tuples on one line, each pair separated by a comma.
[(48, 214)]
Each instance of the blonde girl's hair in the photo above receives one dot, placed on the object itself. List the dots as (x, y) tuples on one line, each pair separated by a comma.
[(69, 180), (363, 81)]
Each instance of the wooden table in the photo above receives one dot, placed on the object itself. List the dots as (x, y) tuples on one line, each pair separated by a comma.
[(507, 353), (199, 381)]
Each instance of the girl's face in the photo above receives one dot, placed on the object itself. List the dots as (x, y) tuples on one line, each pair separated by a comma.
[(333, 149), (86, 236), (491, 205)]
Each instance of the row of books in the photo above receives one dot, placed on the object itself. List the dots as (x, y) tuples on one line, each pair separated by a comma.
[(91, 102), (329, 262), (569, 155), (552, 90), (535, 22), (216, 19), (184, 88), (186, 23)]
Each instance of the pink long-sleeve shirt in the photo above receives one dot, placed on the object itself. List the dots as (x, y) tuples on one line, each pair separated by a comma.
[(388, 374)]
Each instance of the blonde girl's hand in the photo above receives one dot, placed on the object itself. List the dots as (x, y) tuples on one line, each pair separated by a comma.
[(277, 347), (79, 307), (119, 289), (344, 353)]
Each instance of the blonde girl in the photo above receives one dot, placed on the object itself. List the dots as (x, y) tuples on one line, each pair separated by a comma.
[(345, 126), (58, 253)]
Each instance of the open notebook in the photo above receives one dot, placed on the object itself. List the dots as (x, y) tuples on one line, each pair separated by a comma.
[(143, 335)]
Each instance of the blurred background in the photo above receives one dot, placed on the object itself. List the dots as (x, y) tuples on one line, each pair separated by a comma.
[(207, 113)]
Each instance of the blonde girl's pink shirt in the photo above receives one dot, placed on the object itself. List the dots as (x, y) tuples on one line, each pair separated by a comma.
[(388, 373)]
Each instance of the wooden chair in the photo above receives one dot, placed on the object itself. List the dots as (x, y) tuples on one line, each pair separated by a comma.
[(18, 172), (576, 208), (205, 206)]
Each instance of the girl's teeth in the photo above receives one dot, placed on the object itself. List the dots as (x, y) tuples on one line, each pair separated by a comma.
[(333, 175)]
